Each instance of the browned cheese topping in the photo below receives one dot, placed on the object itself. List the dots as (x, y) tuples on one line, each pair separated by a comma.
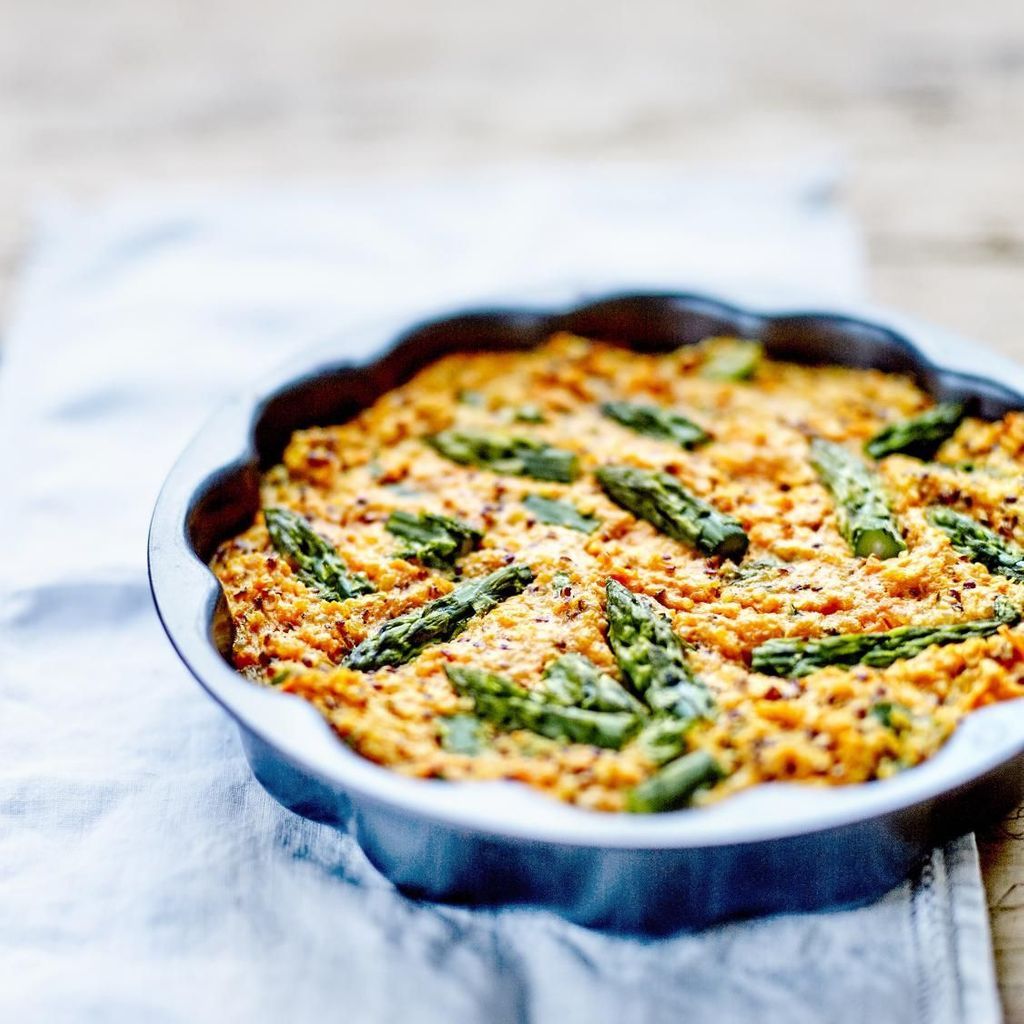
[(798, 578)]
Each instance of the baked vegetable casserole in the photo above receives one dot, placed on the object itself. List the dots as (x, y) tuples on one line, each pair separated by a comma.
[(638, 582)]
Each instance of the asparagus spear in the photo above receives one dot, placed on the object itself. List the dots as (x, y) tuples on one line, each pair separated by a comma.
[(510, 706), (760, 571), (674, 785), (651, 657), (793, 658), (864, 517), (477, 683), (462, 734), (664, 739), (502, 453), (667, 505), (919, 436), (560, 513), (312, 557), (574, 680), (731, 359), (400, 639), (980, 543), (434, 540), (655, 421)]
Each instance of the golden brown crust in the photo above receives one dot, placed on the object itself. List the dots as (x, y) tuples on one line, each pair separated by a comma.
[(348, 478)]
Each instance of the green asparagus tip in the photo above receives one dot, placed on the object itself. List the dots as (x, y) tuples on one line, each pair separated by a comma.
[(508, 705), (504, 454), (462, 734), (655, 421), (862, 510), (675, 785), (575, 680), (401, 639), (651, 656), (671, 508), (560, 513), (312, 557), (979, 543), (878, 541), (435, 540), (731, 359), (794, 658), (919, 436), (664, 739)]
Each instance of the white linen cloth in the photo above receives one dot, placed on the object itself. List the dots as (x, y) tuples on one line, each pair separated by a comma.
[(144, 876)]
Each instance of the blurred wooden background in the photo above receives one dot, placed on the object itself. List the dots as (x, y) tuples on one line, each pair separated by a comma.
[(924, 101)]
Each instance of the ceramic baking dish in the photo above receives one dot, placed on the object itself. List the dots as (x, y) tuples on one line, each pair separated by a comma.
[(777, 847)]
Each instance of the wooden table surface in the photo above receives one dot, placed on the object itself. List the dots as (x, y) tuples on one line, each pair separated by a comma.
[(923, 101)]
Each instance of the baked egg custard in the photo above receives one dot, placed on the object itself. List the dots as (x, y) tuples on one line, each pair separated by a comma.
[(639, 582)]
